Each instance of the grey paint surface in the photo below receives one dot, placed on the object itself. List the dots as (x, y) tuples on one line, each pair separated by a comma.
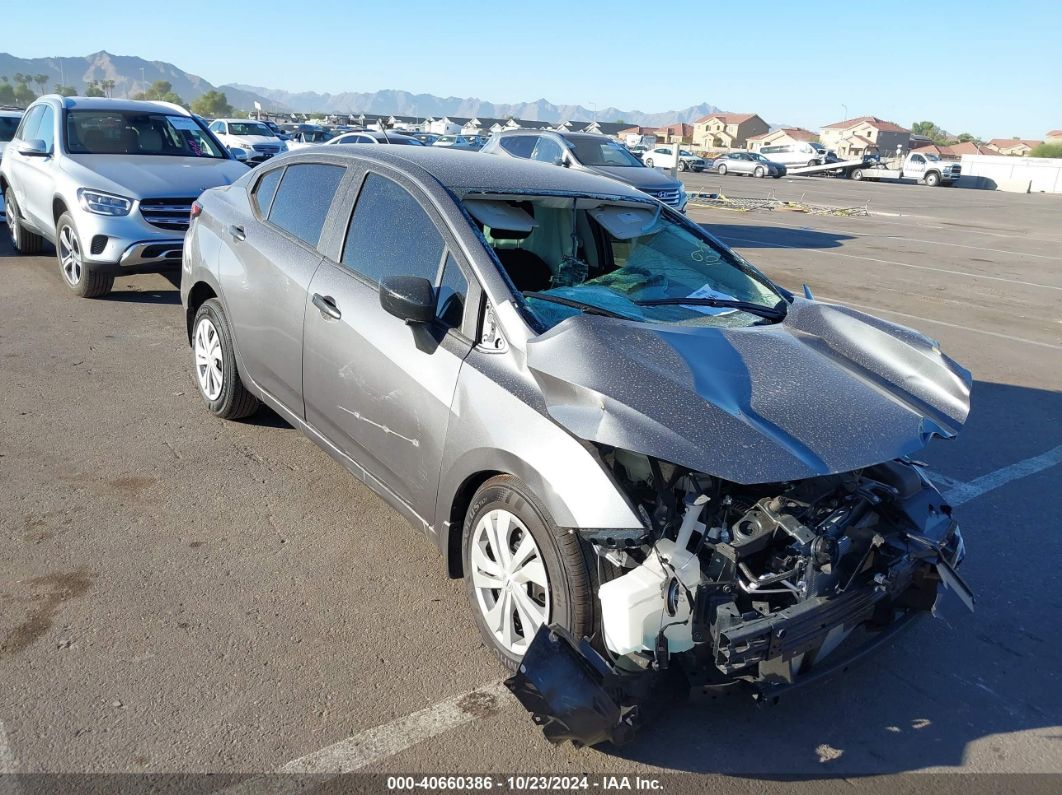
[(827, 390)]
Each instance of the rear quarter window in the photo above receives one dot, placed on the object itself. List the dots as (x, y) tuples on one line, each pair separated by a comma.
[(265, 190), (301, 204)]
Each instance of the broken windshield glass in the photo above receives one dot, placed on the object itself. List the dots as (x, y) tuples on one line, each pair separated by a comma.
[(567, 256)]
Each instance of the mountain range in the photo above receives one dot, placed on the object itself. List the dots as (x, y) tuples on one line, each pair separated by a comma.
[(132, 74)]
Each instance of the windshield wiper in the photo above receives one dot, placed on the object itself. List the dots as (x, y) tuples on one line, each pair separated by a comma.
[(589, 309), (776, 312)]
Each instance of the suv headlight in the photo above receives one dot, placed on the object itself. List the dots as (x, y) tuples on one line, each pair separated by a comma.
[(103, 203)]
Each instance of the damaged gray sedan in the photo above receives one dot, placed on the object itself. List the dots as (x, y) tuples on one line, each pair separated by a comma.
[(655, 469)]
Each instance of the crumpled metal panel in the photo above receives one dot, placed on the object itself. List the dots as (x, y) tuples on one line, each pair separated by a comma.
[(827, 390)]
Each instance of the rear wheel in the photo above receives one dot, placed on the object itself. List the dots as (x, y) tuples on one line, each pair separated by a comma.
[(649, 162), (856, 174), (812, 163), (683, 166), (521, 570), (24, 242), (721, 169), (78, 275), (216, 374)]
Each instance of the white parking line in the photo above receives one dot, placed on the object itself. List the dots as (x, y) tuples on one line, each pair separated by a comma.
[(892, 262), (1000, 335), (964, 492), (384, 741)]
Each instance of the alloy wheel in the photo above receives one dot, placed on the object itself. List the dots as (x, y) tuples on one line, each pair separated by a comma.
[(510, 580), (70, 255), (209, 359)]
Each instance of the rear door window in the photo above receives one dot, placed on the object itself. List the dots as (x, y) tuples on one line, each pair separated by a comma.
[(390, 234), (547, 151), (265, 190), (519, 145), (301, 204)]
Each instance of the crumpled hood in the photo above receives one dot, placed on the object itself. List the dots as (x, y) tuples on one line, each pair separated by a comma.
[(151, 176), (827, 390)]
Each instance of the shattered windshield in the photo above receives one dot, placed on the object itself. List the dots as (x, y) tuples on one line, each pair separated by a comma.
[(632, 261)]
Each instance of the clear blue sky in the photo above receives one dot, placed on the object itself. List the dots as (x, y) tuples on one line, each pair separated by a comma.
[(992, 69)]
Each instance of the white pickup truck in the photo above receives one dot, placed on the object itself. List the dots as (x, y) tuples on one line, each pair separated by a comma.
[(925, 168)]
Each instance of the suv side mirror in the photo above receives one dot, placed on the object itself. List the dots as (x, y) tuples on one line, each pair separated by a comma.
[(34, 148), (409, 298)]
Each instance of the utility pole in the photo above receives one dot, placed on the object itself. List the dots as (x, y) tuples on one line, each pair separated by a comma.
[(678, 153)]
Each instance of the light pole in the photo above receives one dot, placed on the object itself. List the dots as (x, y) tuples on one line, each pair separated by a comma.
[(845, 111)]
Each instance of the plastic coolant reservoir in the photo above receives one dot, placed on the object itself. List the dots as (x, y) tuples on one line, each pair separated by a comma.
[(634, 606)]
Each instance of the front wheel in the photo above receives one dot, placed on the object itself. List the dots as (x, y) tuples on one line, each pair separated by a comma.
[(23, 241), (521, 570), (856, 174), (649, 162), (721, 170), (78, 275), (216, 373), (932, 179), (682, 166), (759, 172)]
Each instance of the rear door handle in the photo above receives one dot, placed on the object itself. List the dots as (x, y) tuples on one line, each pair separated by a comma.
[(327, 305), (237, 232)]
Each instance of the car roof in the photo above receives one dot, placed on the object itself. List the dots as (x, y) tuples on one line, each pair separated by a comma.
[(464, 172), (107, 103)]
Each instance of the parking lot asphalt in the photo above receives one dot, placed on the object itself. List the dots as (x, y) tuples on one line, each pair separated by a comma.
[(179, 593)]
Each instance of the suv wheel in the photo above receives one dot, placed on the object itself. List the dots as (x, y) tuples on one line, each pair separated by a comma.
[(683, 166), (78, 276), (521, 570), (216, 374), (24, 242)]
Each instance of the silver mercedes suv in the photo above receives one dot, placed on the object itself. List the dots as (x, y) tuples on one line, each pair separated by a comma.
[(110, 182)]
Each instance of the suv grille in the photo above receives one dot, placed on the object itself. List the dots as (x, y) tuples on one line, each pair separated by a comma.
[(267, 149), (669, 196), (171, 214)]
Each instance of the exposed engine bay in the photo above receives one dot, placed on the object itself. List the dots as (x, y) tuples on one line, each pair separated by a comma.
[(732, 584)]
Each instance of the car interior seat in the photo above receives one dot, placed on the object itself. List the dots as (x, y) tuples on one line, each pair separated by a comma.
[(528, 271)]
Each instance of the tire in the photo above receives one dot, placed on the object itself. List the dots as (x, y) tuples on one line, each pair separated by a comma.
[(24, 241), (212, 342), (682, 166), (78, 276), (932, 179), (649, 162), (777, 176), (856, 174), (813, 163), (505, 505), (758, 172), (721, 169)]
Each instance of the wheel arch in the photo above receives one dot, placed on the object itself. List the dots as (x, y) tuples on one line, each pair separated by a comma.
[(200, 293), (59, 206), (459, 505)]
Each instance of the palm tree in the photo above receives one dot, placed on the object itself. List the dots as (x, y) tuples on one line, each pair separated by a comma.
[(41, 81), (107, 86)]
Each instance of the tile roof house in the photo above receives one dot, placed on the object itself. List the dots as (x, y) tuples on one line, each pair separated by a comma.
[(955, 151), (1013, 146), (865, 135), (679, 132), (780, 137), (727, 130), (1053, 137)]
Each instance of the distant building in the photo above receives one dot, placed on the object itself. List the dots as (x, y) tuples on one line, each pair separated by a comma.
[(865, 135), (679, 132), (954, 151), (1017, 147), (1053, 137), (613, 129), (727, 130), (781, 137)]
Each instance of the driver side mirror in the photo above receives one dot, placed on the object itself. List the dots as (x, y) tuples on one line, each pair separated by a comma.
[(409, 298), (34, 148)]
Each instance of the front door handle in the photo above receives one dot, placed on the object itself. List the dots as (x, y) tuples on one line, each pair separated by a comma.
[(237, 232), (327, 305)]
